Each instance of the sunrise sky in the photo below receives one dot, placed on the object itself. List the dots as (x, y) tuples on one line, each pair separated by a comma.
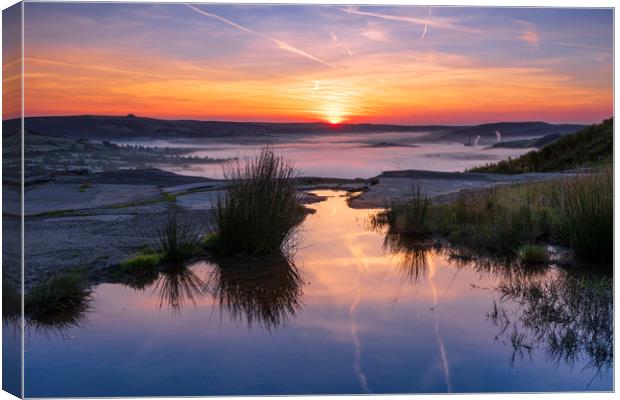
[(410, 65)]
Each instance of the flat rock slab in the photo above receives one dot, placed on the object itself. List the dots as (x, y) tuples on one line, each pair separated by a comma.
[(396, 185), (53, 244), (150, 176), (200, 200), (53, 197), (195, 186)]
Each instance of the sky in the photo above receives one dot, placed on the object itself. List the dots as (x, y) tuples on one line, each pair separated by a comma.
[(377, 64)]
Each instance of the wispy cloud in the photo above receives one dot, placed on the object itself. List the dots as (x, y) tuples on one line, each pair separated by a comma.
[(529, 33), (374, 34), (280, 43), (334, 36), (412, 20)]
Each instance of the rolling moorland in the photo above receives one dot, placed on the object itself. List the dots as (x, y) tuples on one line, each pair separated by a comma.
[(133, 127), (590, 146)]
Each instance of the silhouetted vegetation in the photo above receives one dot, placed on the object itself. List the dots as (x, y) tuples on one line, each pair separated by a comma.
[(585, 215), (137, 272), (590, 146), (178, 284), (576, 212), (176, 240), (570, 316), (261, 208), (531, 254), (265, 291), (11, 302), (59, 302), (410, 214)]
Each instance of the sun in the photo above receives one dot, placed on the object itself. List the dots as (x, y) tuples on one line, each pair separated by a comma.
[(334, 113), (334, 120)]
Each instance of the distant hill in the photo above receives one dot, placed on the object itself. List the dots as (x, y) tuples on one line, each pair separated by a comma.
[(589, 146), (133, 127), (527, 143), (507, 130)]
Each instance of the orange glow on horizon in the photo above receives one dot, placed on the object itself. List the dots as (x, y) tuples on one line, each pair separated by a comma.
[(171, 90)]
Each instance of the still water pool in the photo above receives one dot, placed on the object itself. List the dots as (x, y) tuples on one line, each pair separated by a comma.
[(354, 311)]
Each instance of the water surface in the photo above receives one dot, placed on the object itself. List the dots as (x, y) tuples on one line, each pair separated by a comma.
[(354, 311)]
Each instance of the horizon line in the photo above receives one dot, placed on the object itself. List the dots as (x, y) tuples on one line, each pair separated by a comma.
[(131, 115)]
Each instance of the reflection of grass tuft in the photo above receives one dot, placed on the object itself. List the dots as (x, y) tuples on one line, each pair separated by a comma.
[(568, 315), (264, 291), (261, 208)]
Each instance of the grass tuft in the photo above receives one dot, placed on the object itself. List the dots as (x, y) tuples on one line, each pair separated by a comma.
[(585, 216), (530, 254), (84, 186), (260, 209), (61, 298), (410, 215), (176, 240), (576, 211), (141, 261)]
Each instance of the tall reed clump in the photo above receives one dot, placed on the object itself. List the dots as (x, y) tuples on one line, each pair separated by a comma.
[(585, 216), (260, 209), (176, 240), (63, 297), (409, 215)]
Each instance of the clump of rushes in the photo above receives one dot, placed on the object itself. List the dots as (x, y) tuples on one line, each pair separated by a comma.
[(142, 261), (11, 301), (84, 186), (530, 255), (410, 215), (497, 220), (176, 240), (59, 300), (260, 210), (585, 217), (576, 211), (138, 272)]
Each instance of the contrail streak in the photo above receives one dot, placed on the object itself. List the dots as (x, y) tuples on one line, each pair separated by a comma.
[(412, 20), (425, 31), (94, 67), (579, 45), (440, 343), (280, 43), (361, 265), (357, 365)]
